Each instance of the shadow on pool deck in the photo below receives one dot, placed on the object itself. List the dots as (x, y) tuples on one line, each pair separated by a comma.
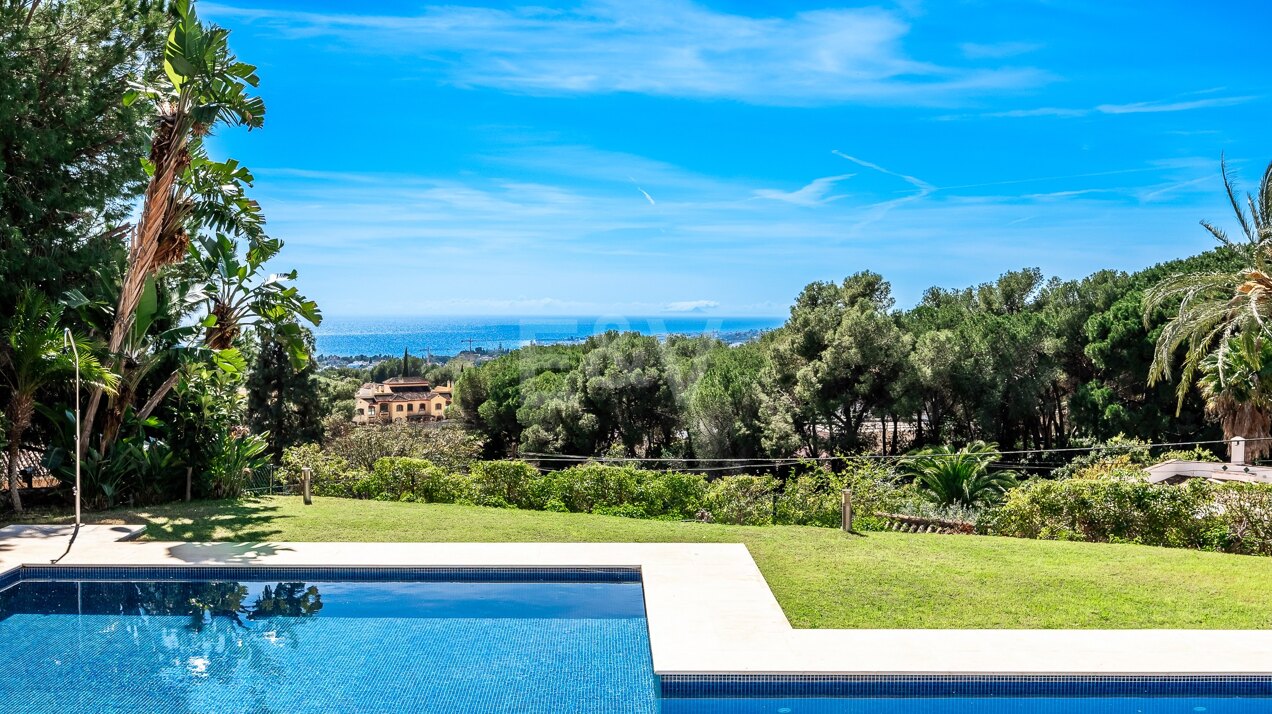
[(228, 553)]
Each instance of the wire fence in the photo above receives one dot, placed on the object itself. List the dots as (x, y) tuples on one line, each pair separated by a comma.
[(265, 481)]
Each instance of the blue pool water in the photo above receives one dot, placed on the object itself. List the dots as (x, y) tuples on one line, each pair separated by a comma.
[(325, 647), (469, 641)]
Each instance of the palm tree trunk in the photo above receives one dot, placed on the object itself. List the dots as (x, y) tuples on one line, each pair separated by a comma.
[(170, 156), (15, 448), (19, 413), (116, 405), (157, 398), (86, 425)]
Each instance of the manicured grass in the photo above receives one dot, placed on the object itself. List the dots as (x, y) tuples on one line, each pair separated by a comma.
[(823, 578)]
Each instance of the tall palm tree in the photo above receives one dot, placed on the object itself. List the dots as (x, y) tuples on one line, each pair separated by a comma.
[(33, 356), (959, 478), (205, 86), (1236, 383), (1220, 311)]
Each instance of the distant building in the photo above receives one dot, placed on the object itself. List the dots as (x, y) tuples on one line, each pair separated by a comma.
[(401, 399), (1177, 471)]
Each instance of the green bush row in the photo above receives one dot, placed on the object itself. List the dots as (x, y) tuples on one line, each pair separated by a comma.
[(1229, 517), (1115, 507), (813, 498)]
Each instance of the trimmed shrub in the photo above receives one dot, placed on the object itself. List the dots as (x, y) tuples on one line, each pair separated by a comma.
[(1109, 510), (670, 494), (876, 489), (628, 511), (330, 475), (1246, 512), (815, 498), (584, 488), (407, 479), (507, 484), (618, 490), (742, 500), (812, 499)]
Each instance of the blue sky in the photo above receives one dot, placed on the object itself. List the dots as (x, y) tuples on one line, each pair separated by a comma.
[(662, 156)]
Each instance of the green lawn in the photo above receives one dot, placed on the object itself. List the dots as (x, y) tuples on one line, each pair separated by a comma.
[(822, 577)]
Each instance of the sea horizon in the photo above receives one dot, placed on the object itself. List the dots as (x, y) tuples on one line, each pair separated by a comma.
[(350, 336)]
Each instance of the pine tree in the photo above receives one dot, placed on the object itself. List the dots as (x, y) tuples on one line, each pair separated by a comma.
[(68, 144), (282, 400)]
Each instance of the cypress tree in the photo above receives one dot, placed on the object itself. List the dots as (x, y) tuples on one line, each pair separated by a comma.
[(282, 400)]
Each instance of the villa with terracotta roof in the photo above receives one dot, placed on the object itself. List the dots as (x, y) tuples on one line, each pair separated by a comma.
[(401, 399)]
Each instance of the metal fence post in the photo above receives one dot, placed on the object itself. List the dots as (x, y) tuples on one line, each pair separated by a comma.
[(189, 481), (845, 512), (306, 476)]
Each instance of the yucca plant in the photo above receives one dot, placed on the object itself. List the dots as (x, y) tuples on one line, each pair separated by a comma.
[(962, 477)]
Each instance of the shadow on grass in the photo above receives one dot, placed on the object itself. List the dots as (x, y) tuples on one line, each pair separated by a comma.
[(240, 520)]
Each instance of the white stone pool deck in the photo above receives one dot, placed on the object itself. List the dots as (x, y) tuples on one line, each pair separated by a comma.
[(710, 610)]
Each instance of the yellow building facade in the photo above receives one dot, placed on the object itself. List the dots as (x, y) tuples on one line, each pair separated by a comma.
[(400, 399)]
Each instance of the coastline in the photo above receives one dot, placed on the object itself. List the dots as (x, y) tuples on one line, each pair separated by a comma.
[(368, 339)]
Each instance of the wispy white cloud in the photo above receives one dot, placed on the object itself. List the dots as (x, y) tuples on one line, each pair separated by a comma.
[(923, 186), (691, 306), (1177, 186), (876, 211), (1153, 107), (1058, 195), (1147, 107), (409, 244), (662, 47), (815, 193), (997, 50), (1037, 112)]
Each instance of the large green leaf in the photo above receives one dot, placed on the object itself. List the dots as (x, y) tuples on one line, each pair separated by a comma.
[(147, 309)]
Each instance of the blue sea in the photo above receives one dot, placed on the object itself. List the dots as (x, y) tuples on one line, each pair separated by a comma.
[(352, 336)]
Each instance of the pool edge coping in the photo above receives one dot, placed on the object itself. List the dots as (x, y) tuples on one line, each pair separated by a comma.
[(711, 614)]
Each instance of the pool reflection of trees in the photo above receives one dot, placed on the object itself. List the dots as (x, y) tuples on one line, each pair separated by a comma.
[(202, 602), (228, 638)]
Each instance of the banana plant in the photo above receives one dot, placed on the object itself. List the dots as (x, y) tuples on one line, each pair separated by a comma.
[(239, 294), (202, 87), (233, 292)]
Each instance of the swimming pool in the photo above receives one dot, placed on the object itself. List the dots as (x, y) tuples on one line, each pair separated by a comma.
[(457, 640), (233, 641)]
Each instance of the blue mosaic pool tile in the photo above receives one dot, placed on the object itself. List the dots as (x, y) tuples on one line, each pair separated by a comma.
[(971, 686), (11, 577)]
